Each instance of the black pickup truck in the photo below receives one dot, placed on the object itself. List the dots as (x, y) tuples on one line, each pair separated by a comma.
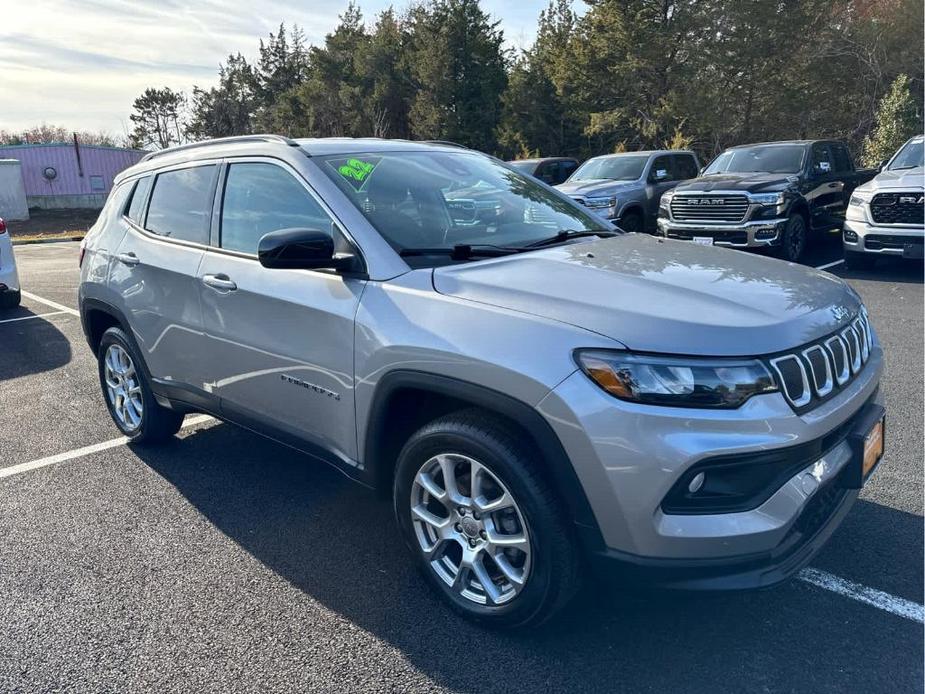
[(773, 194)]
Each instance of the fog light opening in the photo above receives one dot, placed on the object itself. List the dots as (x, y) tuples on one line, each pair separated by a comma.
[(765, 234), (850, 236), (696, 483)]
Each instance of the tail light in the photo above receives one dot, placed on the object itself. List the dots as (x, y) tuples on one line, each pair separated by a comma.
[(2, 226), (83, 250)]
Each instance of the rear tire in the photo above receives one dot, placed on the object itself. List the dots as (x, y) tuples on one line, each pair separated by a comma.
[(793, 239), (859, 261), (537, 567), (10, 299), (127, 393)]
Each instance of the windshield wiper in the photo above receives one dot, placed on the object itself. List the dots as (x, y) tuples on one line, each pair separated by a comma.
[(566, 234), (903, 168), (462, 251)]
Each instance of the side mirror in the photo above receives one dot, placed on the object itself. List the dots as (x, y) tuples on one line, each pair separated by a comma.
[(301, 249)]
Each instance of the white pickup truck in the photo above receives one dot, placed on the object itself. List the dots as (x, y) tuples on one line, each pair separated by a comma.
[(885, 215)]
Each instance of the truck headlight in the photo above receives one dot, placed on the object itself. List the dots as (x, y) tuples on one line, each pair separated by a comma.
[(665, 201), (858, 199), (767, 199), (601, 203), (676, 381)]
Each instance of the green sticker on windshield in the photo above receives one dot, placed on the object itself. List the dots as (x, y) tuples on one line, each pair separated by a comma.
[(356, 171)]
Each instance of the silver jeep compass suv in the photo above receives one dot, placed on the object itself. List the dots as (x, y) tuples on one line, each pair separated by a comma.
[(543, 395)]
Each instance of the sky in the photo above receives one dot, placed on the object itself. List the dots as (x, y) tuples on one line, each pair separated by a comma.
[(81, 63)]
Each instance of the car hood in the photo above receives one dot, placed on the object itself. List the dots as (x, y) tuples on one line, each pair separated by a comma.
[(595, 187), (745, 182), (665, 296), (908, 179)]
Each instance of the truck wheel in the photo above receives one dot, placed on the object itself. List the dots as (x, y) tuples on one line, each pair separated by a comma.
[(484, 526), (10, 299), (859, 261), (793, 239), (128, 395), (631, 222)]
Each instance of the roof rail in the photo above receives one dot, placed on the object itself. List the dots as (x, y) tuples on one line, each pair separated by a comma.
[(444, 142), (221, 141)]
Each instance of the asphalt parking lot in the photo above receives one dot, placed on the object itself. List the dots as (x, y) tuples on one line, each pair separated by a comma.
[(223, 562)]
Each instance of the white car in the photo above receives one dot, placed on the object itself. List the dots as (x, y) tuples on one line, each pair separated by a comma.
[(9, 278), (885, 215)]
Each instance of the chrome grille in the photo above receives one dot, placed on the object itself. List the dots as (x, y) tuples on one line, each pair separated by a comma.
[(709, 208), (812, 374)]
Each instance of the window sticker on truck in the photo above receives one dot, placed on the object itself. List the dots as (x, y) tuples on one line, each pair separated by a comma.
[(356, 171)]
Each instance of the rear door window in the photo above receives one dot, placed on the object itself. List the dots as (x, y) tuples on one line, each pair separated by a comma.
[(136, 207), (842, 159), (181, 203), (260, 198), (685, 166)]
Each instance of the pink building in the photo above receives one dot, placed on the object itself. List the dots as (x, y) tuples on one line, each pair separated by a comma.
[(65, 176)]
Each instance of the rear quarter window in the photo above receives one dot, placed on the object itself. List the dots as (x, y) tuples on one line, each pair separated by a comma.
[(135, 210), (181, 204)]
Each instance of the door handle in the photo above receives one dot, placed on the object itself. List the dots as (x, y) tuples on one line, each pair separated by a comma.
[(834, 185), (220, 281), (128, 258)]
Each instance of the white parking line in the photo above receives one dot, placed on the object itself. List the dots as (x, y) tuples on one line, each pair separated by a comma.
[(849, 589), (65, 309), (870, 596), (828, 265), (39, 315), (80, 452)]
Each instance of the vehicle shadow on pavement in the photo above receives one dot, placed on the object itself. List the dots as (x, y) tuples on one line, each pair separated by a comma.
[(30, 346), (337, 542), (888, 270)]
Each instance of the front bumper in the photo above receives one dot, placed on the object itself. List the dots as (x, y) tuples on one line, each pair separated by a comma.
[(883, 240), (629, 456), (752, 234)]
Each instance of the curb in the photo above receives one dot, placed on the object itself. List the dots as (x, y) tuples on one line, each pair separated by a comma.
[(59, 239)]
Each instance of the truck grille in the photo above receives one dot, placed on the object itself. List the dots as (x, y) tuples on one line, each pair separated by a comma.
[(819, 370), (897, 208), (709, 208)]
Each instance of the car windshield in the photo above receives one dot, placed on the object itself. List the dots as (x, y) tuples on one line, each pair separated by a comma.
[(760, 159), (619, 168), (438, 200), (909, 157)]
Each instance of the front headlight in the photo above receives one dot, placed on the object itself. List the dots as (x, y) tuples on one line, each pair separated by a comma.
[(665, 201), (676, 381), (600, 203), (767, 199), (857, 199)]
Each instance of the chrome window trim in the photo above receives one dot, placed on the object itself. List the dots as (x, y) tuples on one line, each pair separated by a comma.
[(829, 384), (807, 395), (844, 376)]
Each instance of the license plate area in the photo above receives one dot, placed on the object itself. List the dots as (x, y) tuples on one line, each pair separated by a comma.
[(913, 251), (703, 240), (867, 440)]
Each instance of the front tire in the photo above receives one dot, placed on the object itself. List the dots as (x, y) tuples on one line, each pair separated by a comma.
[(484, 526), (632, 222), (10, 299), (128, 395), (793, 239)]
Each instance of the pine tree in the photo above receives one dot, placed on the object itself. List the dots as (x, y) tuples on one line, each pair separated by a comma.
[(897, 121)]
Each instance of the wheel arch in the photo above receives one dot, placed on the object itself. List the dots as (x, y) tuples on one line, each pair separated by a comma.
[(97, 317), (405, 400)]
